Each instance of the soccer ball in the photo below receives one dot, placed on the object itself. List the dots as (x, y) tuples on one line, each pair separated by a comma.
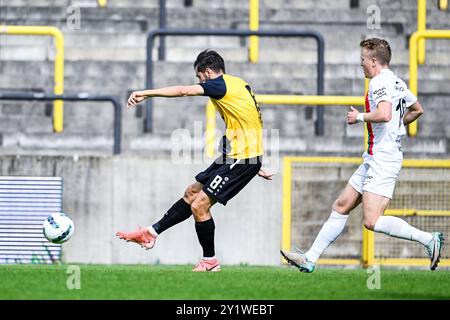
[(58, 227)]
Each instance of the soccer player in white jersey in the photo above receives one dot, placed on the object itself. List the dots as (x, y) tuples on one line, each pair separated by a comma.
[(390, 105)]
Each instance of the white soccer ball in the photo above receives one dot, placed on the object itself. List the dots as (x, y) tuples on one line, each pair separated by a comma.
[(58, 227)]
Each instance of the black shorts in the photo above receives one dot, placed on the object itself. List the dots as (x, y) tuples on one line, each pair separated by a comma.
[(225, 177)]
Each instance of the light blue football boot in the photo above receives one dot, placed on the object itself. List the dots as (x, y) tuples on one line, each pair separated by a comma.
[(299, 260), (434, 249)]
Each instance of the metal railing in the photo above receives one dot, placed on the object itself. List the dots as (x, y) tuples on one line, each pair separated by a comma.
[(414, 43), (253, 24), (148, 123), (422, 25), (78, 97), (162, 25), (368, 257), (276, 99), (58, 107)]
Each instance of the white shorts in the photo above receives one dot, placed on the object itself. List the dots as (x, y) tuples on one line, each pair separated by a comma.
[(376, 176)]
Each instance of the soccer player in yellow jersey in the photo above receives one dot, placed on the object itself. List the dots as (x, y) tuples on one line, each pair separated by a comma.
[(240, 161)]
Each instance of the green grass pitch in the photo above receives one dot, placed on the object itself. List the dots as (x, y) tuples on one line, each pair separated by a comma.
[(157, 282)]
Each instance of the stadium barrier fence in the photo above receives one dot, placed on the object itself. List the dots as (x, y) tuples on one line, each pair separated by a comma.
[(148, 122), (58, 106), (421, 194), (276, 99), (253, 25), (421, 26), (162, 25), (414, 43), (79, 97)]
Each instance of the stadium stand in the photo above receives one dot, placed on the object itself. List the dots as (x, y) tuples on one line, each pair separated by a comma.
[(106, 55)]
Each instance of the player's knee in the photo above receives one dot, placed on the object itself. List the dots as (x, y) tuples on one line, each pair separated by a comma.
[(189, 194), (199, 210), (341, 206)]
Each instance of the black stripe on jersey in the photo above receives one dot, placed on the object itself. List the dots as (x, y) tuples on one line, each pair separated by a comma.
[(215, 88)]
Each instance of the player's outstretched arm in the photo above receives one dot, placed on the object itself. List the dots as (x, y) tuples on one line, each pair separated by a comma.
[(412, 113), (168, 92)]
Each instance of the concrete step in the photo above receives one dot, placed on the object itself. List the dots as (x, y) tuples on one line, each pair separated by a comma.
[(35, 3), (51, 143), (150, 144), (345, 38), (134, 55), (270, 10), (264, 77), (144, 19)]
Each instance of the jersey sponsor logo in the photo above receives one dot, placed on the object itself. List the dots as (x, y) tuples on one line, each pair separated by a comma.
[(379, 93)]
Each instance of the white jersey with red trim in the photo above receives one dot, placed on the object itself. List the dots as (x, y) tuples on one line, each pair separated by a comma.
[(385, 138)]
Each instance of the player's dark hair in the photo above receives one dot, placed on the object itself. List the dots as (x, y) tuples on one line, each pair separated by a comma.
[(209, 59), (380, 48)]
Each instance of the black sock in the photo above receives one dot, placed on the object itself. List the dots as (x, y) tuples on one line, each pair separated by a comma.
[(205, 233), (179, 212)]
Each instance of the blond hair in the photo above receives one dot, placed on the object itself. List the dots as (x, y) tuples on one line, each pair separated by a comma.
[(380, 49)]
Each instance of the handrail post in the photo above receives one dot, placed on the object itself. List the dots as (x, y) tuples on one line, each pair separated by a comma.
[(320, 126), (58, 106), (421, 26), (413, 74), (253, 19), (117, 126), (368, 246), (162, 25), (148, 120), (286, 206)]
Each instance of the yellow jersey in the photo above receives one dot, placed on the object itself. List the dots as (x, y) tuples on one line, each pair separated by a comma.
[(236, 103)]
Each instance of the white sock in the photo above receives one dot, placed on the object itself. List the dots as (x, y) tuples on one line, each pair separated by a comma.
[(152, 231), (331, 229), (398, 228), (209, 258)]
